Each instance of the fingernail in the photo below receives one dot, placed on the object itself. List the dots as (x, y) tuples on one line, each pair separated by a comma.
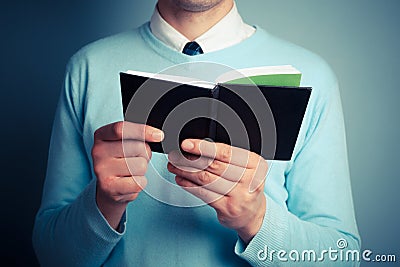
[(158, 135), (187, 145), (172, 157)]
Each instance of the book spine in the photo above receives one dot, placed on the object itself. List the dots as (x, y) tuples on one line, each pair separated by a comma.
[(213, 113)]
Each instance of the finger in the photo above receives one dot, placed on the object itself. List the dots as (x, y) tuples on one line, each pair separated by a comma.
[(120, 167), (221, 152), (128, 185), (258, 180), (133, 148), (189, 160), (192, 163), (253, 179), (209, 197), (128, 149), (137, 166), (126, 198), (205, 179), (128, 130)]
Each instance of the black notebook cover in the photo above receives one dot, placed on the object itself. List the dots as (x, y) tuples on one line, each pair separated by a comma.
[(263, 119)]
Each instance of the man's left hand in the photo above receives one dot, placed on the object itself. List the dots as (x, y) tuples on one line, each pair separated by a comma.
[(229, 179)]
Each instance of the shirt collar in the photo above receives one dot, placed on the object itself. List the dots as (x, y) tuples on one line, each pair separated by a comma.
[(229, 31)]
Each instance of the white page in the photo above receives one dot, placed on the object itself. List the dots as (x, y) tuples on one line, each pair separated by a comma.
[(174, 78)]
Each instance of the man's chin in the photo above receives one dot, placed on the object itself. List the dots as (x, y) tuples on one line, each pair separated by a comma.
[(197, 5)]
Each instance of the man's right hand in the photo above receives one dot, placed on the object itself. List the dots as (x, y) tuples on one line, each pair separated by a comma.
[(120, 157)]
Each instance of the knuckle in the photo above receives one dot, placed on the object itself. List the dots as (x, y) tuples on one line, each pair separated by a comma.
[(97, 134), (135, 181), (249, 158), (117, 129), (226, 153), (203, 192), (117, 198), (205, 177), (141, 130), (264, 165), (248, 198), (260, 188), (106, 185), (147, 151), (214, 165), (97, 151), (141, 166), (132, 197), (99, 169), (262, 169), (253, 157), (241, 176), (262, 161), (140, 182)]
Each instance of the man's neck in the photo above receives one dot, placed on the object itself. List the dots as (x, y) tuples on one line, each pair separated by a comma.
[(193, 24)]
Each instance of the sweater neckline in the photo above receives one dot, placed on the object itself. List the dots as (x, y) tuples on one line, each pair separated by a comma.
[(177, 57)]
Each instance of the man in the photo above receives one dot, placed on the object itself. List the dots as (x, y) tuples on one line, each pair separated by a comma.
[(94, 211)]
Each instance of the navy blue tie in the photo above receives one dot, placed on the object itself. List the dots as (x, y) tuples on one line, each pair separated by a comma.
[(192, 49)]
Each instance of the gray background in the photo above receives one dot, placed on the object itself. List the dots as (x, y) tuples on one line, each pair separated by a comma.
[(358, 38)]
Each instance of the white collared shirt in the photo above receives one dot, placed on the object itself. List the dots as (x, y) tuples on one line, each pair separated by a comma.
[(229, 31)]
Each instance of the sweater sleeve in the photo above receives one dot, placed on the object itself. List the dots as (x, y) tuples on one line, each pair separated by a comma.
[(69, 228), (318, 214)]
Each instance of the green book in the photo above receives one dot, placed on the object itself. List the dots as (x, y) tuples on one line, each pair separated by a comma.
[(228, 110), (285, 75)]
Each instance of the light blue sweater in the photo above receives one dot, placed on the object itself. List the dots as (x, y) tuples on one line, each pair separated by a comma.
[(309, 202)]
